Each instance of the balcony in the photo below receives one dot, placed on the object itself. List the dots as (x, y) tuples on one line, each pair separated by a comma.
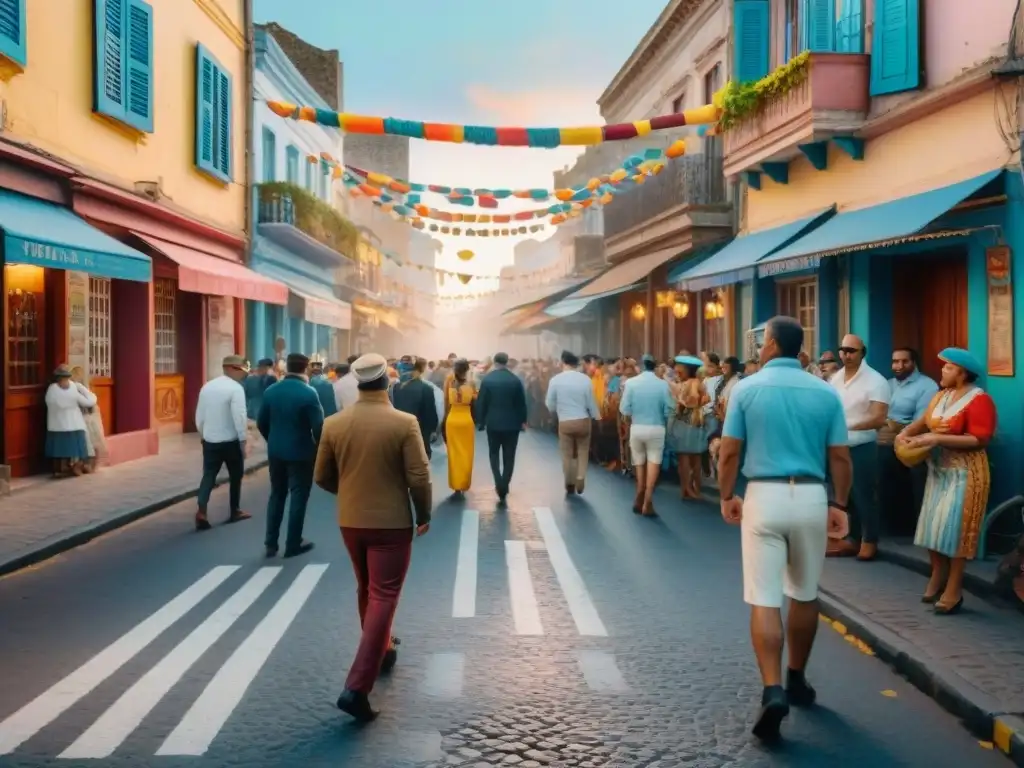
[(796, 110), (666, 209), (304, 224)]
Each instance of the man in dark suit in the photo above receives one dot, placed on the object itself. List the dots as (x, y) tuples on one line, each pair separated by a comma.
[(290, 420), (501, 410), (323, 388), (414, 396)]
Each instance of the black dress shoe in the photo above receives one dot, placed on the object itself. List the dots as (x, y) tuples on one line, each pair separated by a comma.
[(390, 656), (774, 709), (357, 705), (271, 551), (799, 692), (302, 549)]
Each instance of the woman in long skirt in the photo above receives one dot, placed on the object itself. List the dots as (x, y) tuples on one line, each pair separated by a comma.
[(66, 442), (686, 433), (459, 429), (958, 424)]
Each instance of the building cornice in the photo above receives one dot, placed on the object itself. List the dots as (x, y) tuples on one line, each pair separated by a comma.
[(676, 14), (218, 16), (274, 62)]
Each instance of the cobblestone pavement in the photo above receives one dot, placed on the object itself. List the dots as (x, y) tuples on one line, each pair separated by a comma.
[(175, 648), (43, 512)]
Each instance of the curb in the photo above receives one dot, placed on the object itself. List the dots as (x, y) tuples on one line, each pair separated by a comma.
[(979, 712), (79, 536)]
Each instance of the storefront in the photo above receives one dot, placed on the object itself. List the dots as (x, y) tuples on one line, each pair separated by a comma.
[(199, 288), (75, 295), (313, 322)]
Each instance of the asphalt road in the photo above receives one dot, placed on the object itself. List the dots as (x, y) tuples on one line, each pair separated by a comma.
[(555, 630)]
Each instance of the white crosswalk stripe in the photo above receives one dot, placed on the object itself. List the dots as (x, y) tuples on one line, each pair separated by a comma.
[(439, 676)]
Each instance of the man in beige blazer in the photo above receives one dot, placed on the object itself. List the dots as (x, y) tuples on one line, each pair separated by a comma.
[(372, 457)]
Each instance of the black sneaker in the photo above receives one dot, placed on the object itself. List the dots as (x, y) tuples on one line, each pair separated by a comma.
[(774, 709), (357, 705), (799, 692), (302, 549)]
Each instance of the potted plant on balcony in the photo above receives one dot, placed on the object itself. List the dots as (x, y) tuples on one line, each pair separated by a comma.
[(282, 201)]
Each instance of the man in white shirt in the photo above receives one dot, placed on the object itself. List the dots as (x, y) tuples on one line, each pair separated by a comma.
[(222, 423), (346, 388), (865, 395), (571, 398)]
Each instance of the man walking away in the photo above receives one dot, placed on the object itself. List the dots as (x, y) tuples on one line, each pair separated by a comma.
[(647, 404), (571, 399), (501, 411), (223, 427), (372, 457), (346, 390), (795, 434), (255, 384), (340, 372), (323, 388), (415, 396), (291, 421)]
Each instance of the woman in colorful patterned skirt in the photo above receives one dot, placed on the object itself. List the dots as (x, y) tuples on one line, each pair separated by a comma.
[(958, 424)]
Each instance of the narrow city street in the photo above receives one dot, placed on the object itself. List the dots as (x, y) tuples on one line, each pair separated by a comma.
[(552, 632)]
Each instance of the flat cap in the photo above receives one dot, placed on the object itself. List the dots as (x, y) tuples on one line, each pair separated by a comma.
[(235, 361), (369, 367)]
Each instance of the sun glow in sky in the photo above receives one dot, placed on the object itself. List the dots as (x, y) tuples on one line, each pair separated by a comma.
[(530, 63)]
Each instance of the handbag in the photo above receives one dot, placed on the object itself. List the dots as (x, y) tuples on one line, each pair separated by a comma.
[(911, 456)]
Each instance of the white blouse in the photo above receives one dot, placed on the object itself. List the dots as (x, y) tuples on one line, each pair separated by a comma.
[(64, 407)]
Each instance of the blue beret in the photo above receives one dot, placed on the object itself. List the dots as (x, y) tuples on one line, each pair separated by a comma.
[(963, 358)]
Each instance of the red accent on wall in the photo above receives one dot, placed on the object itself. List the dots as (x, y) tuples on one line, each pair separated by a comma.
[(240, 345), (191, 351), (133, 363)]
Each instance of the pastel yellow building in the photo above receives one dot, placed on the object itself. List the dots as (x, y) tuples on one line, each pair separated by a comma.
[(123, 206)]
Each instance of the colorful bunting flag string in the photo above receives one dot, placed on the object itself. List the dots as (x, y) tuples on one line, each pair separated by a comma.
[(490, 136)]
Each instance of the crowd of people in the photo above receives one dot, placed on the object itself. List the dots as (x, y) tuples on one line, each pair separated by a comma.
[(803, 454)]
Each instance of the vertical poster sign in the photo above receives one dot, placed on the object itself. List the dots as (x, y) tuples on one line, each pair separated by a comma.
[(220, 330), (78, 321), (999, 282)]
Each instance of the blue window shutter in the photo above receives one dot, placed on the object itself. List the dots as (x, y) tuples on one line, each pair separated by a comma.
[(855, 25), (820, 23), (205, 74), (109, 97), (224, 127), (139, 66), (750, 33), (895, 47), (269, 155), (12, 31), (292, 165)]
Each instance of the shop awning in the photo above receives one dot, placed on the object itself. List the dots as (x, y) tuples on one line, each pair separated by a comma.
[(46, 235), (737, 261), (200, 272), (877, 226), (624, 275), (569, 307), (548, 295), (309, 300)]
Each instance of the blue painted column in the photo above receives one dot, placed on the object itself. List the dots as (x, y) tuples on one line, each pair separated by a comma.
[(259, 346), (295, 342), (871, 305), (764, 299), (828, 304)]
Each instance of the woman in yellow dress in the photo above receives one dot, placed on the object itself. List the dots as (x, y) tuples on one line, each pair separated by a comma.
[(459, 429)]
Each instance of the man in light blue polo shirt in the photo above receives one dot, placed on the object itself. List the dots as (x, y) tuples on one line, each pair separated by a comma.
[(571, 398), (795, 433), (647, 404)]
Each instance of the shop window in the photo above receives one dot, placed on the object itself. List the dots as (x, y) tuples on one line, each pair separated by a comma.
[(799, 299), (100, 311), (25, 325), (165, 293), (715, 307)]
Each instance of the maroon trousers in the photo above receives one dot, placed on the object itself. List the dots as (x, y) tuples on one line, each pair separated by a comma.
[(380, 558)]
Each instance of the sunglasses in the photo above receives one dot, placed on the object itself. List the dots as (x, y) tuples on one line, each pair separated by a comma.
[(850, 350)]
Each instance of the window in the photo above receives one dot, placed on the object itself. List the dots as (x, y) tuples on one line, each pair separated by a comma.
[(123, 67), (843, 302), (817, 26), (291, 170), (712, 83), (25, 330), (165, 292), (325, 181), (100, 310), (679, 103), (792, 41), (213, 116), (850, 27), (309, 175), (799, 299), (12, 31), (269, 155), (750, 39)]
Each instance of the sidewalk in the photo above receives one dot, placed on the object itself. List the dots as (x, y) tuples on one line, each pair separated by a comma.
[(45, 517)]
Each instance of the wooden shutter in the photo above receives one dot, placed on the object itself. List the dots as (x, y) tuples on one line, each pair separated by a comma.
[(12, 31), (139, 64), (109, 30), (750, 37), (224, 97), (819, 23), (895, 48)]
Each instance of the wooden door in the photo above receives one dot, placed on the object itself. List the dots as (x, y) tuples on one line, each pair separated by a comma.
[(25, 361), (930, 306), (101, 349)]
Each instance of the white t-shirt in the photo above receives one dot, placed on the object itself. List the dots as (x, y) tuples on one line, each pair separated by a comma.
[(867, 386)]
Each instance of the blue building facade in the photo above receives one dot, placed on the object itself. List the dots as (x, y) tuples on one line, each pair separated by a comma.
[(295, 164)]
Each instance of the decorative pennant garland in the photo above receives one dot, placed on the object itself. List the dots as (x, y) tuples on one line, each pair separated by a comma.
[(543, 138)]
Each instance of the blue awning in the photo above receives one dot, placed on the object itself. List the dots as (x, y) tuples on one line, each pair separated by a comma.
[(872, 227), (46, 235), (569, 307), (737, 261)]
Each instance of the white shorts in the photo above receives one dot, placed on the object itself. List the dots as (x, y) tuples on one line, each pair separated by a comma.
[(646, 444), (785, 534)]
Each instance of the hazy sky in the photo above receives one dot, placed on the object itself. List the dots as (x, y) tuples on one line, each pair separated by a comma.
[(528, 63)]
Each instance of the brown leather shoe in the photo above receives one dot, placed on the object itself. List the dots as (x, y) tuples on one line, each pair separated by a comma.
[(841, 548), (867, 552)]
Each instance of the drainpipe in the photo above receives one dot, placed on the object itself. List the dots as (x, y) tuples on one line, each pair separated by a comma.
[(250, 113)]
